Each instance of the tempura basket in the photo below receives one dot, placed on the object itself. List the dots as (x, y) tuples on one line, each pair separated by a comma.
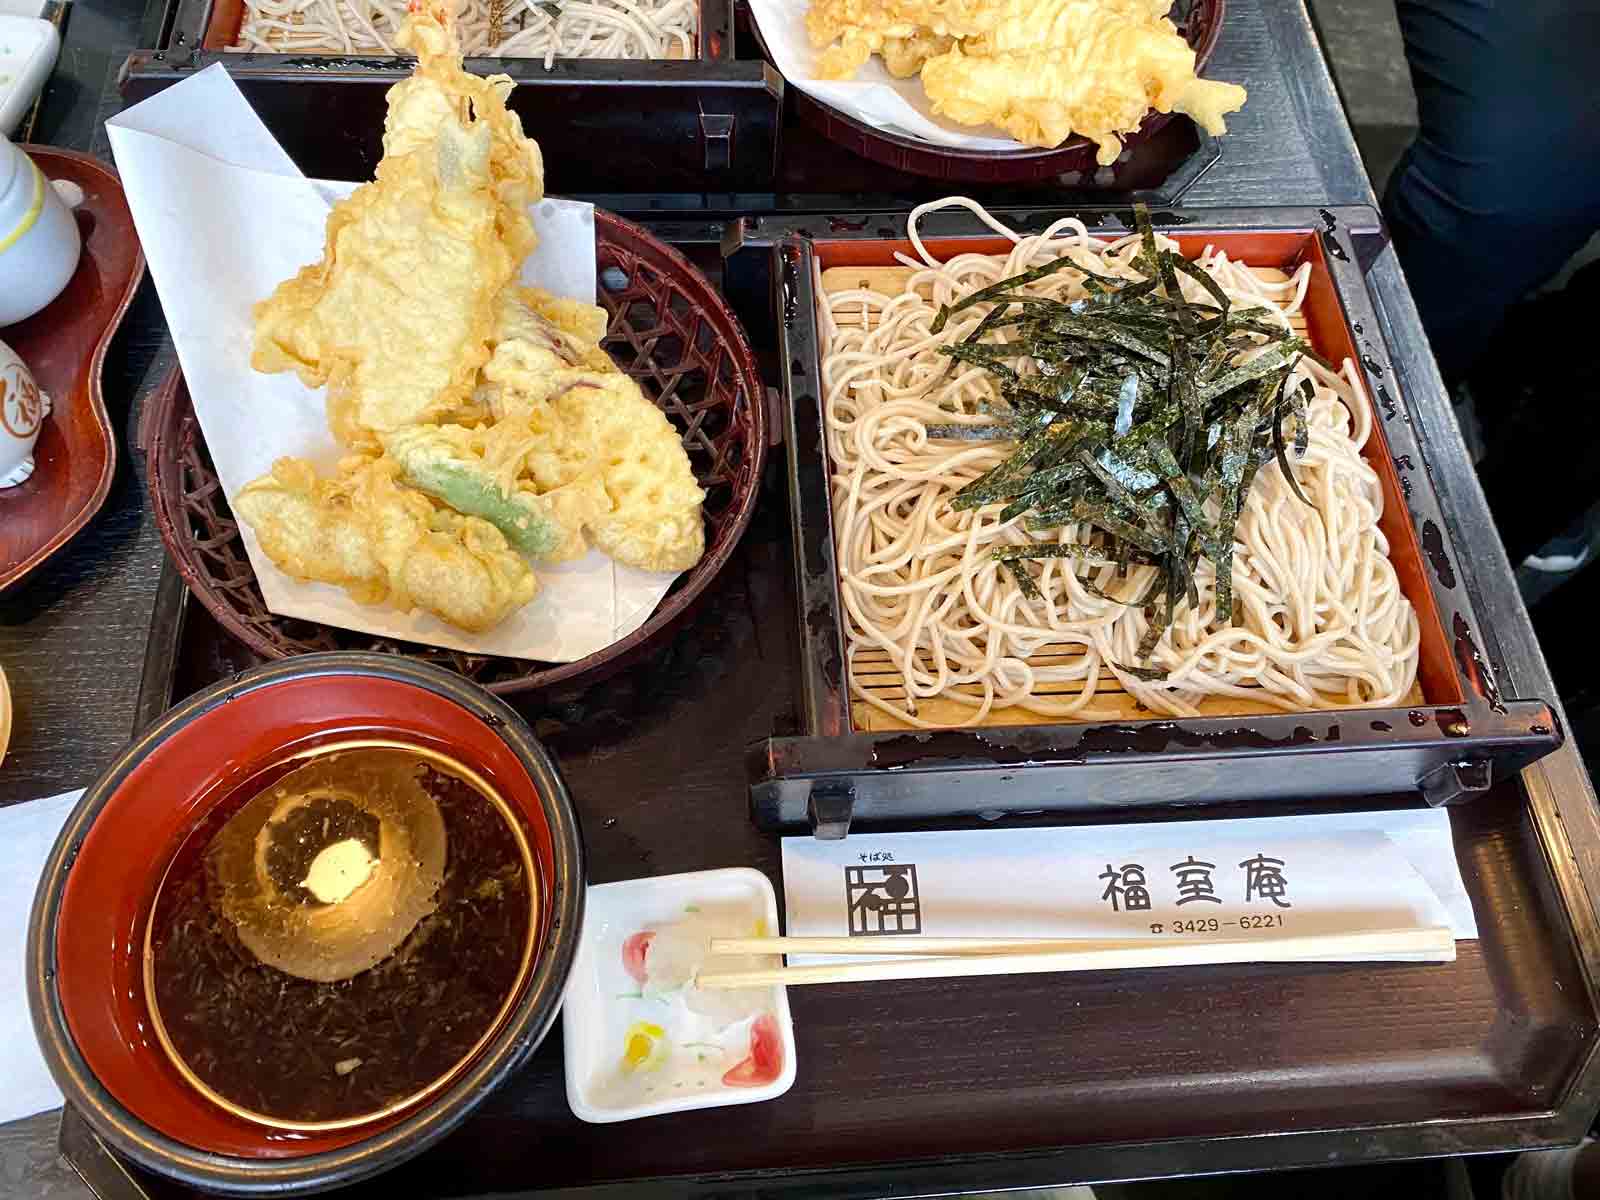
[(669, 328)]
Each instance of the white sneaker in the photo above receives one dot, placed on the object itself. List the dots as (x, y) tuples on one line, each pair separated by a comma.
[(1556, 564)]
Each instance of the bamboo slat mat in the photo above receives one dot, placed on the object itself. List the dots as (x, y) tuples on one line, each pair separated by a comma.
[(876, 673)]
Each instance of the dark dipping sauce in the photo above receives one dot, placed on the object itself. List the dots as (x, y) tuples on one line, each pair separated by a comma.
[(304, 1051)]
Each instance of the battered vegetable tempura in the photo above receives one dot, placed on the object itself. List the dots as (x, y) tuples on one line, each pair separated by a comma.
[(478, 471), (604, 424), (1040, 69), (490, 423), (384, 543), (563, 415), (592, 457), (396, 317)]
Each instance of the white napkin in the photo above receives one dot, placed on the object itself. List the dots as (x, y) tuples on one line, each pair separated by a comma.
[(225, 216), (873, 97), (1343, 872), (27, 831)]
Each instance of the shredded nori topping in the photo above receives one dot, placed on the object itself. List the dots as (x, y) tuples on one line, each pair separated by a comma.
[(1140, 417)]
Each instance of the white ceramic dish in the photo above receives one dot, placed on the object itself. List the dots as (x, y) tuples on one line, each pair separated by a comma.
[(687, 1067), (28, 50)]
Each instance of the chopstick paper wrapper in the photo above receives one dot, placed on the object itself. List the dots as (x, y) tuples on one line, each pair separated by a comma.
[(28, 833), (225, 216), (1348, 887)]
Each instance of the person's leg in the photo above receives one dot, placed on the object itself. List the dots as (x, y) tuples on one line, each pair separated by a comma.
[(1535, 391), (1502, 184)]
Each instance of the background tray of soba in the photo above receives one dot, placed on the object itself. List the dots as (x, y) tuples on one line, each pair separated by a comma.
[(944, 1086), (707, 123), (1454, 735), (714, 134)]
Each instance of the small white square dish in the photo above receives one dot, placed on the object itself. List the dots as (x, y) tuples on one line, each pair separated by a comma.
[(28, 49), (640, 1039)]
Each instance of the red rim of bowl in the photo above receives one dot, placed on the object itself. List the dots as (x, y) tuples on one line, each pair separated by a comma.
[(117, 1076)]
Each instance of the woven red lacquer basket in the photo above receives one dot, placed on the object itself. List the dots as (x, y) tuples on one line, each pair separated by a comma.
[(670, 330)]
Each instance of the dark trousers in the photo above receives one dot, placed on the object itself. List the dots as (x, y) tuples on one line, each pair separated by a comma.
[(1502, 184)]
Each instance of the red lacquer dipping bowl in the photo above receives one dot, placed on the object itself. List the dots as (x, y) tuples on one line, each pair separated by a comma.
[(86, 936)]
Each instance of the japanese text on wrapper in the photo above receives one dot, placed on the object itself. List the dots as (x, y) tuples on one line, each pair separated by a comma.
[(1255, 882)]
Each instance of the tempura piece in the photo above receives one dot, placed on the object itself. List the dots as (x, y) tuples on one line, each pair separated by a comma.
[(605, 424), (463, 572), (585, 322), (1040, 69), (904, 57), (900, 30), (396, 318), (477, 472), (545, 342), (441, 93), (309, 528), (561, 412), (540, 335), (384, 543), (1096, 71)]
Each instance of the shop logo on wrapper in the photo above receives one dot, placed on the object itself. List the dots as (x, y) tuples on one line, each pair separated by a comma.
[(21, 405), (883, 900)]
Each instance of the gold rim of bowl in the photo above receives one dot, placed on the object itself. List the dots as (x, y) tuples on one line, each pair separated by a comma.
[(445, 765)]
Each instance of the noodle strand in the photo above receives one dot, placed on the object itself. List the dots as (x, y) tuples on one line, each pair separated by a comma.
[(547, 29)]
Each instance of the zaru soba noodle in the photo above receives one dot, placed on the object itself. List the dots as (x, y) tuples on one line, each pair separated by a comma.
[(996, 604), (547, 29)]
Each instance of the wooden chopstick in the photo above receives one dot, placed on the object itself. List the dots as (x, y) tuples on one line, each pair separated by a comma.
[(953, 947), (1436, 942)]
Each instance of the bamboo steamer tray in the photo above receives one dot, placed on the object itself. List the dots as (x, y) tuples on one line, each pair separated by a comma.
[(1452, 738)]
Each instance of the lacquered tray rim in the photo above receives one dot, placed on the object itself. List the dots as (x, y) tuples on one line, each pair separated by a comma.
[(96, 499)]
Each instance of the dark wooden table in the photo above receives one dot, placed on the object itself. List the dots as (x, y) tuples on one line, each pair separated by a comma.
[(953, 1070)]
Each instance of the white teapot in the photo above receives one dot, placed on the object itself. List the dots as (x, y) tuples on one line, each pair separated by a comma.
[(23, 408), (39, 240)]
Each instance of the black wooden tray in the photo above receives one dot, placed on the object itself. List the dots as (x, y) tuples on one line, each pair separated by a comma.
[(669, 126), (1467, 733), (986, 1084)]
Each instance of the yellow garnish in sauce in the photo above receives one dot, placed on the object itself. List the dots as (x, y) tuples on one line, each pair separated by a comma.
[(644, 1046)]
